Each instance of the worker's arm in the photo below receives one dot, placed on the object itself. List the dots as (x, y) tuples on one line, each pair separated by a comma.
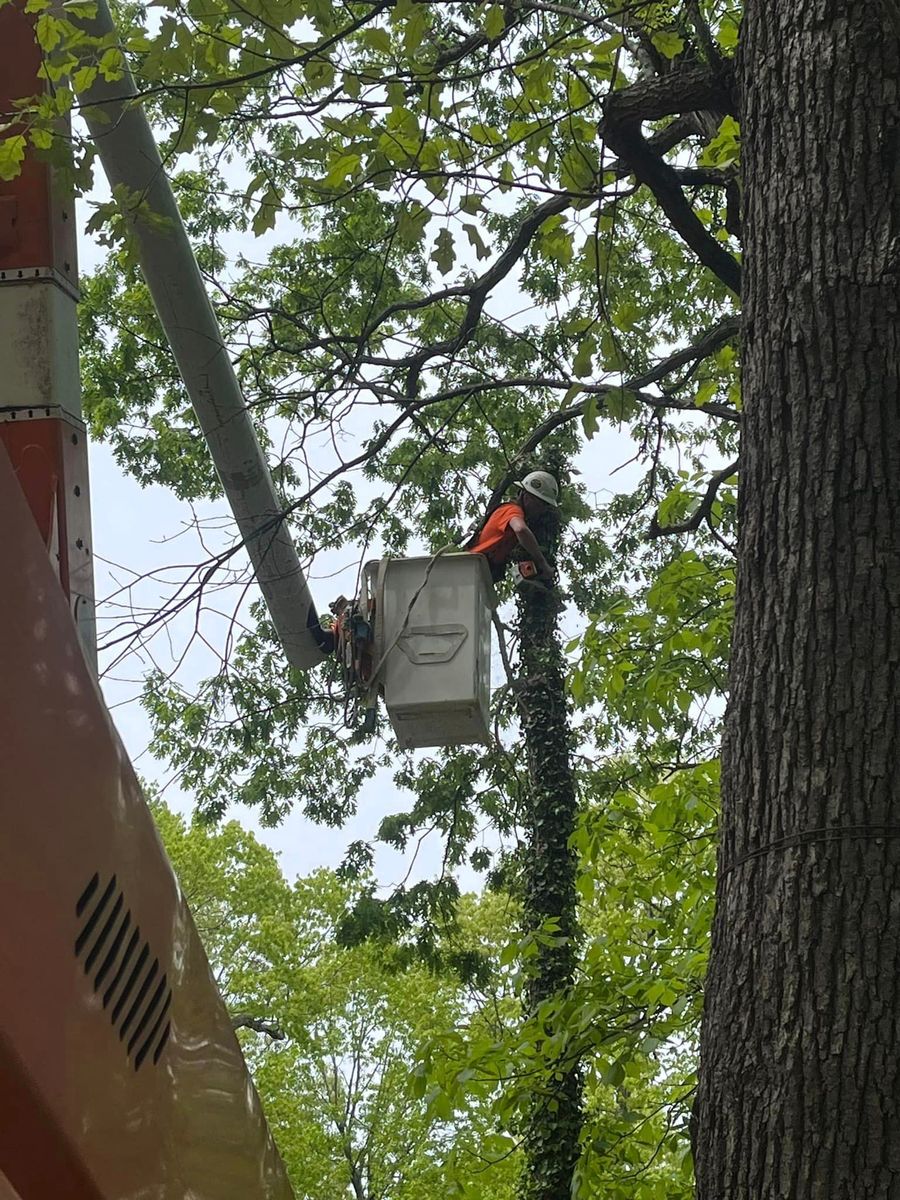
[(529, 544)]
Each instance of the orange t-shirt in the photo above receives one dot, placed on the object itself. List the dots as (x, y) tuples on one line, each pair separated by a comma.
[(497, 540)]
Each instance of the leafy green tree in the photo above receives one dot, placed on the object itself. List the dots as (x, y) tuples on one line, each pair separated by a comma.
[(630, 1019), (448, 396), (383, 1079), (333, 1034)]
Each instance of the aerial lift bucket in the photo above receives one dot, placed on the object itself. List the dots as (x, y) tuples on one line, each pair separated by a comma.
[(432, 647)]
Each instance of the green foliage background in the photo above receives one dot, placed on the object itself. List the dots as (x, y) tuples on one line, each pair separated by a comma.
[(386, 1078)]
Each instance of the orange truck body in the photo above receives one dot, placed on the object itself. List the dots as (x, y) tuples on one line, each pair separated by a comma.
[(120, 1075)]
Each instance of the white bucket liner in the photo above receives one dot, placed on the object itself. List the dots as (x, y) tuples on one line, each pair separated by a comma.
[(433, 630)]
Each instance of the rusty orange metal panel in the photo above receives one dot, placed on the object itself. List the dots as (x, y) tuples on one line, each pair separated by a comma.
[(30, 1146), (36, 453), (49, 457), (120, 1075), (37, 227)]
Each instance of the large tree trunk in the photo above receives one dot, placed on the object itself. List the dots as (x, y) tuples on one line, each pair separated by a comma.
[(800, 1057)]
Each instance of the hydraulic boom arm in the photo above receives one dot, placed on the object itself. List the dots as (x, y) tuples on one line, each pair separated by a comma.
[(136, 174)]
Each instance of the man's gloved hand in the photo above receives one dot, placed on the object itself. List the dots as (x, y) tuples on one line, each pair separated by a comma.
[(537, 572)]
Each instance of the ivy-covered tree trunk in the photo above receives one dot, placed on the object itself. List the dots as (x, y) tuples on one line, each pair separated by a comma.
[(551, 1136), (800, 1058)]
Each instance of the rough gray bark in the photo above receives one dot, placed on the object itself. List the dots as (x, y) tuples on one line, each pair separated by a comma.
[(800, 1057)]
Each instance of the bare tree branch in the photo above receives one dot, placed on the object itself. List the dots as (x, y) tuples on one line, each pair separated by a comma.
[(705, 345), (701, 513), (258, 1025)]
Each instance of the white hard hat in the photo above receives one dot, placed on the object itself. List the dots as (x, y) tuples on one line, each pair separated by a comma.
[(542, 485)]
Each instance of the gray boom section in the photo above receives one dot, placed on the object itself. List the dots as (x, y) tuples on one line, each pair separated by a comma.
[(131, 161)]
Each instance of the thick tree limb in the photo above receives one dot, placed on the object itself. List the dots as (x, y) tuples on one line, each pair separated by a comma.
[(703, 176), (701, 513), (683, 91), (258, 1025), (666, 139)]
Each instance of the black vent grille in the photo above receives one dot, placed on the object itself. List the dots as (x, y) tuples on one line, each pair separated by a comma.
[(123, 970)]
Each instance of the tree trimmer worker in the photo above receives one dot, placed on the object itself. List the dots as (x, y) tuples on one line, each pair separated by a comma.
[(329, 640), (506, 528)]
